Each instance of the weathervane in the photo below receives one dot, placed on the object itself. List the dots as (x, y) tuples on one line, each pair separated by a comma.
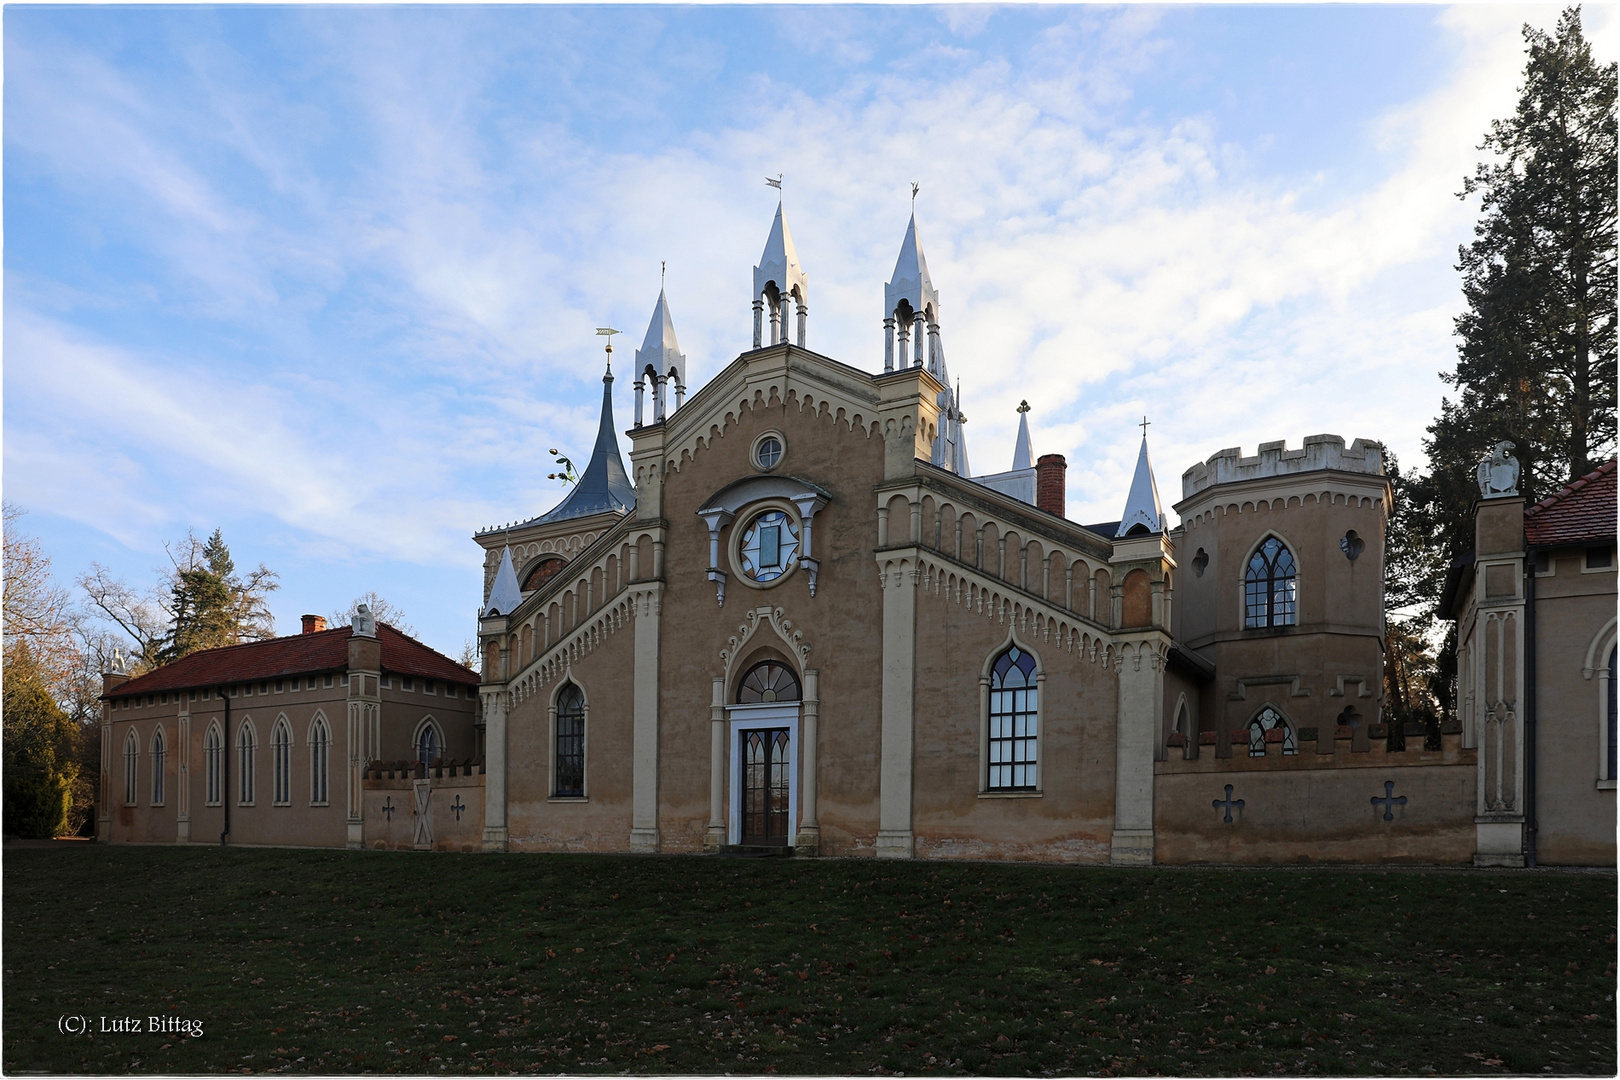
[(914, 189), (608, 332), (777, 182), (662, 267)]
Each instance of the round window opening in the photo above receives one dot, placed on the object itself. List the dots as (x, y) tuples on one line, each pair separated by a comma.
[(767, 452), (769, 546)]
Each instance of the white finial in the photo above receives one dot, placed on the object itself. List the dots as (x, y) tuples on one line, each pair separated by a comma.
[(608, 332)]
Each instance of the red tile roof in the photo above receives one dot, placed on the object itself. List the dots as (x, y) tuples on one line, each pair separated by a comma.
[(1582, 512), (300, 654)]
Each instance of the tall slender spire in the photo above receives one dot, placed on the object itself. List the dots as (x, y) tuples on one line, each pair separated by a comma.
[(660, 359), (605, 485), (1023, 448), (1142, 509), (777, 278)]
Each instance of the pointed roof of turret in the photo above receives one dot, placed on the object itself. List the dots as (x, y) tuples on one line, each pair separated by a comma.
[(504, 594), (660, 351), (910, 280), (1142, 505), (605, 485), (780, 261), (1023, 448)]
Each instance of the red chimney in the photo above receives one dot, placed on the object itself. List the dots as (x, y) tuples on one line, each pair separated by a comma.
[(314, 624), (1051, 473)]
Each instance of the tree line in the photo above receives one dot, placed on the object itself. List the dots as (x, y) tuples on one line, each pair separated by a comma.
[(1535, 347)]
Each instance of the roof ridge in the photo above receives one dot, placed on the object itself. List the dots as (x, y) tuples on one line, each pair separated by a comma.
[(1582, 481)]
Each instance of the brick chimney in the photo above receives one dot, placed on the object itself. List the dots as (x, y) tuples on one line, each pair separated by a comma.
[(314, 624), (1051, 483)]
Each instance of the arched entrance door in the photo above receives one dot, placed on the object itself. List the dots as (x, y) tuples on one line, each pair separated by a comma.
[(764, 724)]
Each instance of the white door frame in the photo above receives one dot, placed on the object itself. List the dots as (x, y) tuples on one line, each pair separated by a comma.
[(752, 718)]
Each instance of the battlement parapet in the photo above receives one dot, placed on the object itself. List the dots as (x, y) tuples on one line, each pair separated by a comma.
[(1275, 459)]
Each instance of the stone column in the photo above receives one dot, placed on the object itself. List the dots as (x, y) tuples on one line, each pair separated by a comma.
[(641, 386), (888, 344), (644, 751), (894, 839), (804, 313), (904, 334), (104, 802), (787, 311), (364, 727), (660, 392), (493, 701), (759, 313), (933, 347), (714, 838), (918, 329), (809, 838), (1497, 636), (1141, 708), (776, 321)]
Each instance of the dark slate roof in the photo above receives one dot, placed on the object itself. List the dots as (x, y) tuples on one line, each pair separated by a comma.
[(605, 485), (327, 650), (1579, 513), (1104, 529)]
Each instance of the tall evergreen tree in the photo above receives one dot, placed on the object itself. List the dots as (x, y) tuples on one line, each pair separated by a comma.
[(40, 770), (210, 605), (1536, 355)]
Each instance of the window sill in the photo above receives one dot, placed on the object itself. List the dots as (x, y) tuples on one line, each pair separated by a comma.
[(569, 799), (1605, 785), (1011, 794), (320, 804)]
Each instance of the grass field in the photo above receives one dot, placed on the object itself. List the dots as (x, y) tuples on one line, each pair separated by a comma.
[(335, 962)]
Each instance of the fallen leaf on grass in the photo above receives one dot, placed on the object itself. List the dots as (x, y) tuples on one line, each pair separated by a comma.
[(1269, 970)]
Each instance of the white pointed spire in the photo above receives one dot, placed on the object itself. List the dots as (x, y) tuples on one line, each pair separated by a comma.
[(1142, 505), (910, 281), (659, 350), (779, 271), (504, 595), (1023, 448)]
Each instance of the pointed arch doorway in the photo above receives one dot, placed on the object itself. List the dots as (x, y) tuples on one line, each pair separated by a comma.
[(765, 757)]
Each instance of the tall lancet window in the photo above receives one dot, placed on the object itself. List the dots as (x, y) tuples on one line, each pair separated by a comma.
[(213, 763), (158, 754), (569, 764), (320, 752), (1014, 708), (132, 757), (1270, 588), (247, 745)]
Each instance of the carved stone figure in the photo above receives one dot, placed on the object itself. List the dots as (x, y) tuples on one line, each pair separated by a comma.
[(363, 624), (1499, 474)]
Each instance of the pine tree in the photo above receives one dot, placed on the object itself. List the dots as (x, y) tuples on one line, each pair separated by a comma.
[(210, 605), (1536, 357)]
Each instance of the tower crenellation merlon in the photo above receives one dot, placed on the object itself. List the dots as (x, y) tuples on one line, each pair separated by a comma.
[(1275, 459)]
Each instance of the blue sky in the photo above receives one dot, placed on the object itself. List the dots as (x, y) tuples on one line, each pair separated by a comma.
[(326, 278)]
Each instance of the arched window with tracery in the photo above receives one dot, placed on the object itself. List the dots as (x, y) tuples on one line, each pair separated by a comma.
[(281, 763), (429, 743), (1014, 712), (1265, 721), (213, 759), (158, 749), (132, 757), (1270, 589), (247, 745), (568, 773), (320, 753), (768, 681)]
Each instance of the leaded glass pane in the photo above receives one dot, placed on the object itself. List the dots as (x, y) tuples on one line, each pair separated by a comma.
[(1012, 726), (769, 546), (768, 681), (570, 758)]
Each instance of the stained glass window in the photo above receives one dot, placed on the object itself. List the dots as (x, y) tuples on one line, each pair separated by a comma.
[(570, 760), (1269, 587), (768, 681), (1269, 719), (1013, 707), (769, 546)]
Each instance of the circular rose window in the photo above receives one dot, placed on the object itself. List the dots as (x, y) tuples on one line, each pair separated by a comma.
[(769, 546)]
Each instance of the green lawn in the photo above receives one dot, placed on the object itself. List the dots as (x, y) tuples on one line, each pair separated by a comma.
[(305, 961)]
